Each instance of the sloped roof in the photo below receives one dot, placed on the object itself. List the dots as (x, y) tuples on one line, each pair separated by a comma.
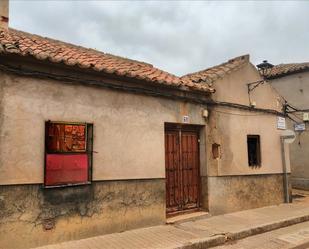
[(41, 48), (209, 75), (282, 70)]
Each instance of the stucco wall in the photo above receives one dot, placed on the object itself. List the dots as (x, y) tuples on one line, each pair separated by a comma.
[(31, 216), (128, 128), (295, 89), (231, 133), (234, 193), (233, 88), (128, 164), (229, 127)]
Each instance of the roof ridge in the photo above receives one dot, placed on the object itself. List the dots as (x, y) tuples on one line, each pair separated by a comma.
[(211, 74)]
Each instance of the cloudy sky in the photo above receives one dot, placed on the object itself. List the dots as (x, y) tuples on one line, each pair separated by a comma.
[(179, 37)]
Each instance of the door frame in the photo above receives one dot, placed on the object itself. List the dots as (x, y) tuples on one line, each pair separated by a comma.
[(190, 128)]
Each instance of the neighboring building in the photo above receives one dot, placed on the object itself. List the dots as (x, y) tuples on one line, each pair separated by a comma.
[(244, 161), (92, 143), (292, 82)]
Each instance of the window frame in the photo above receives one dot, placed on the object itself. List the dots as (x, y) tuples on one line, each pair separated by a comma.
[(258, 152), (88, 151)]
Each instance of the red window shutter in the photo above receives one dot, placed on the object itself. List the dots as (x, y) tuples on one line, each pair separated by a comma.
[(67, 159), (63, 169)]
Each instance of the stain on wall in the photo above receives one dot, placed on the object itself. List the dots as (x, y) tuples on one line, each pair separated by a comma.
[(124, 124), (204, 193), (32, 216), (234, 193)]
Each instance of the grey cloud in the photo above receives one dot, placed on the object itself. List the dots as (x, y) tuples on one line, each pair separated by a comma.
[(179, 37)]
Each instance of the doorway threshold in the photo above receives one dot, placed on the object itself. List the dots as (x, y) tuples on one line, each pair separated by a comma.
[(182, 217)]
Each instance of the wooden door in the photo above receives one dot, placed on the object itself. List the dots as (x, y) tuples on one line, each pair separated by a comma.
[(182, 170)]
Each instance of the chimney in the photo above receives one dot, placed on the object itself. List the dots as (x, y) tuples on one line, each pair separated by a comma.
[(4, 14)]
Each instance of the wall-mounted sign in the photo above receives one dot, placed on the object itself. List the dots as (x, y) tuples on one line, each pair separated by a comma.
[(185, 119), (281, 123), (300, 127)]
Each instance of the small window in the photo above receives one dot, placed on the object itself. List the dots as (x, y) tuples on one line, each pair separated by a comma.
[(215, 151), (68, 153), (254, 150)]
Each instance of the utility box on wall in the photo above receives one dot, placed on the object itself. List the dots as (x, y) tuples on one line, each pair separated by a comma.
[(306, 116)]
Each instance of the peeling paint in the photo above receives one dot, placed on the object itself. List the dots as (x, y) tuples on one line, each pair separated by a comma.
[(32, 216)]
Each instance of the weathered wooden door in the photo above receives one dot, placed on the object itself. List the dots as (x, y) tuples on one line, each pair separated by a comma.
[(182, 169)]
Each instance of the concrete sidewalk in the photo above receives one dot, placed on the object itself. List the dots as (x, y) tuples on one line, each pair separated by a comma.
[(200, 233), (291, 237)]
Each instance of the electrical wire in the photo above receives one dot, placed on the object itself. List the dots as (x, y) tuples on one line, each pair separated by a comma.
[(237, 114), (133, 89), (296, 117), (300, 110)]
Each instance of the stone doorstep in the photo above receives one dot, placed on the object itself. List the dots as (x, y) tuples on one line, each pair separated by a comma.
[(221, 239), (187, 217)]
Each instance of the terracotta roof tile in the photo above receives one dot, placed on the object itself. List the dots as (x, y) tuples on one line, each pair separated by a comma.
[(282, 70), (41, 48), (208, 76)]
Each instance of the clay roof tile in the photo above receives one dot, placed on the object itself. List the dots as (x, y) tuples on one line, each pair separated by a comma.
[(207, 76), (282, 70), (42, 48)]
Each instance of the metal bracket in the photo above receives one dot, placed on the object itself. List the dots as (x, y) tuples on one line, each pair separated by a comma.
[(251, 86)]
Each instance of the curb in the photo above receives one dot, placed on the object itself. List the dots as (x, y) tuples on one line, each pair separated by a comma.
[(224, 238)]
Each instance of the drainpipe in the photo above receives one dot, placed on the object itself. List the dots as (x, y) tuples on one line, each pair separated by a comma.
[(285, 174)]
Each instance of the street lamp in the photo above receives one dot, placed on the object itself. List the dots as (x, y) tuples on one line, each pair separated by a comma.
[(264, 67)]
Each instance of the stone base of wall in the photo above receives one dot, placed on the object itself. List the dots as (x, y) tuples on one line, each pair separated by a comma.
[(234, 193), (31, 216), (300, 183)]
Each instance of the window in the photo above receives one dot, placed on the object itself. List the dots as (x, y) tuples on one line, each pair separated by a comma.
[(254, 151), (68, 153), (215, 151)]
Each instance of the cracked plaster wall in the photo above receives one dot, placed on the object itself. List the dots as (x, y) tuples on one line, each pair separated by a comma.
[(234, 193), (31, 216)]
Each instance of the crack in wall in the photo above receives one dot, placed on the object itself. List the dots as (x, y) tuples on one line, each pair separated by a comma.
[(35, 205)]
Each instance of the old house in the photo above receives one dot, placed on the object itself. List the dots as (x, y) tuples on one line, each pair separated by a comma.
[(244, 160), (292, 82), (92, 143)]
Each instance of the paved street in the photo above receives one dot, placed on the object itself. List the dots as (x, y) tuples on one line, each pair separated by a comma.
[(214, 231)]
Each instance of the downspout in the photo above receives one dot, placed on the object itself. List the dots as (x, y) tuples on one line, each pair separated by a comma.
[(285, 174)]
